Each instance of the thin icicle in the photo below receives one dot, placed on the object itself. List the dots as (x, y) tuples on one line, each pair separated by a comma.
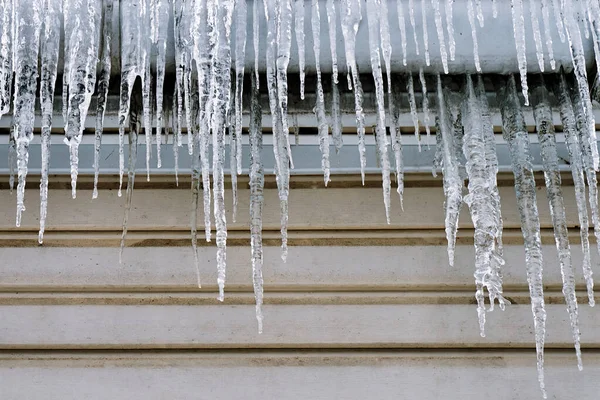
[(545, 128), (284, 45), (453, 184), (351, 18), (373, 18), (425, 32), (336, 118), (411, 14), (159, 39), (583, 10), (537, 35), (386, 44), (410, 87), (519, 34), (240, 58), (426, 115), (25, 60), (257, 183), (576, 162), (515, 134), (332, 24), (256, 39), (479, 13), (402, 25), (299, 29), (50, 43), (396, 136), (196, 176), (103, 85), (450, 27), (6, 57), (481, 205), (558, 18), (323, 128), (471, 14), (440, 33), (547, 33)]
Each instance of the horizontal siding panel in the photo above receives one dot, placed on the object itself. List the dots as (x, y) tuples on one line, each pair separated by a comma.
[(425, 376), (288, 326)]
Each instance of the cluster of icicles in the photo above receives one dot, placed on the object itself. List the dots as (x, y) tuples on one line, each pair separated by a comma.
[(208, 102)]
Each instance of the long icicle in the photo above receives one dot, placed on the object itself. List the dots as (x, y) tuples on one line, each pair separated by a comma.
[(159, 39), (515, 134), (386, 43), (471, 14), (450, 27), (396, 136), (284, 44), (332, 24), (537, 35), (257, 183), (542, 112), (548, 33), (299, 30), (411, 15), (402, 25), (50, 43), (426, 114), (439, 25), (519, 34), (425, 32), (410, 88), (6, 59)]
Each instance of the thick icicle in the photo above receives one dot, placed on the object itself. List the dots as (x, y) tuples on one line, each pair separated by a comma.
[(336, 117), (547, 33), (103, 85), (411, 14), (481, 205), (439, 25), (299, 30), (351, 18), (515, 134), (402, 25), (396, 135), (81, 21), (373, 17), (426, 116), (27, 17), (519, 34), (50, 43), (256, 38), (453, 184), (537, 35), (323, 127), (450, 27), (257, 183), (471, 14), (425, 32), (6, 43), (332, 24), (240, 58), (386, 44), (542, 112), (410, 88), (577, 171), (284, 44), (160, 24)]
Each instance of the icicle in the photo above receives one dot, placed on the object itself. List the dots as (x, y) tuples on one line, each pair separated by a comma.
[(481, 205), (221, 80), (6, 43), (537, 36), (240, 58), (373, 17), (396, 136), (495, 8), (284, 43), (425, 32), (50, 43), (176, 137), (402, 24), (299, 29), (159, 39), (558, 17), (233, 148), (440, 33), (576, 162), (331, 23), (426, 117), (515, 134), (336, 117), (279, 148), (257, 183), (479, 13), (351, 18), (578, 57), (450, 27), (471, 13), (196, 161), (410, 87), (542, 112), (453, 184), (256, 39), (320, 106), (583, 10), (27, 39), (411, 14), (386, 45), (134, 131), (547, 33), (519, 34), (103, 85)]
